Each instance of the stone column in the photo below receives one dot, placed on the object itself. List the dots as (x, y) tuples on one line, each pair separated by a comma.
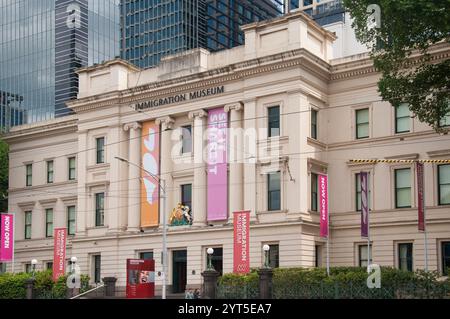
[(236, 159), (134, 173), (166, 166), (81, 167), (251, 151), (199, 187)]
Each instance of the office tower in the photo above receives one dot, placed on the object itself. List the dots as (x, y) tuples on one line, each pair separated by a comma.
[(153, 29), (42, 43), (324, 12)]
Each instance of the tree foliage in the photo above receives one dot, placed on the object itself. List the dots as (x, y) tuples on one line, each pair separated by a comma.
[(408, 27), (3, 176)]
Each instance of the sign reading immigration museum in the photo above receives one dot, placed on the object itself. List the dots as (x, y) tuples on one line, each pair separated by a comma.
[(6, 237), (59, 253), (189, 96), (150, 185), (217, 197), (241, 256)]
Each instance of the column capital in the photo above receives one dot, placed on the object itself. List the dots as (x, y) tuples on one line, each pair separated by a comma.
[(197, 114), (166, 120), (238, 106), (132, 125)]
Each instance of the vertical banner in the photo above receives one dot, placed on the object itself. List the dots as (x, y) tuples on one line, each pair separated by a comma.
[(323, 203), (59, 253), (420, 196), (241, 256), (364, 176), (140, 278), (217, 191), (6, 237), (150, 185)]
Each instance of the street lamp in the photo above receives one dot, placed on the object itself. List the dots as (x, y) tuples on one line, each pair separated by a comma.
[(266, 249), (210, 251), (73, 261), (162, 185), (33, 266)]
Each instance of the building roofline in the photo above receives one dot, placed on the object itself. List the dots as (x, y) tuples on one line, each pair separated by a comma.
[(106, 64)]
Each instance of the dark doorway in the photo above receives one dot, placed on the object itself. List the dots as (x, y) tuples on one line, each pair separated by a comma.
[(217, 260), (445, 257), (179, 273)]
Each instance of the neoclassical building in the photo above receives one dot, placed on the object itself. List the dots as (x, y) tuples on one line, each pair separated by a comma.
[(290, 112)]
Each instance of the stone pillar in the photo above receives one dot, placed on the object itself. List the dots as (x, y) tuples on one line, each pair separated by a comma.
[(166, 163), (134, 174), (199, 189), (236, 158), (81, 167), (210, 284), (29, 285), (251, 151), (110, 286), (265, 283)]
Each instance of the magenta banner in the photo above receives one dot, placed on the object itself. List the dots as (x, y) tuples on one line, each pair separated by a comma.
[(6, 237), (420, 197), (364, 176), (217, 201), (323, 203)]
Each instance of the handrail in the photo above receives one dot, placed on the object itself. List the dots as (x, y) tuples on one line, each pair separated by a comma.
[(90, 290)]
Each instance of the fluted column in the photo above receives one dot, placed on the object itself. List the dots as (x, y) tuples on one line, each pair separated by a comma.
[(199, 187), (81, 168), (134, 174), (236, 159), (250, 149), (166, 162)]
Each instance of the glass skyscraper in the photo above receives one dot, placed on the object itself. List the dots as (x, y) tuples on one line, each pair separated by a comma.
[(322, 11), (42, 43), (152, 29)]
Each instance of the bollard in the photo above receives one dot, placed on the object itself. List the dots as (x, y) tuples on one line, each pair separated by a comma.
[(265, 283), (210, 284), (29, 285), (110, 286)]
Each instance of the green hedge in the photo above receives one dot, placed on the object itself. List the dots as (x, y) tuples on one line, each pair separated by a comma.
[(343, 282), (12, 286)]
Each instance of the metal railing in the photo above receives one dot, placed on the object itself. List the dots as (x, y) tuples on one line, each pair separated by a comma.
[(88, 291)]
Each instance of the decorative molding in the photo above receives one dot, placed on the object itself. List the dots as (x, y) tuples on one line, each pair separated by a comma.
[(322, 165), (47, 202), (238, 106), (26, 205), (412, 156), (132, 125), (440, 153), (197, 114), (67, 199), (37, 187), (166, 120), (313, 142)]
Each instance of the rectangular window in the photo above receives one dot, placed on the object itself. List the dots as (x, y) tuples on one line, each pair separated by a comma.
[(186, 195), (274, 256), (146, 255), (216, 260), (314, 190), (314, 124), (186, 139), (444, 184), (71, 220), (49, 265), (72, 171), (28, 268), (274, 191), (274, 121), (362, 123), (402, 188), (29, 174), (358, 191), (28, 218), (99, 209), (49, 171), (402, 118), (446, 258), (97, 268), (405, 256), (2, 268), (318, 255), (49, 222), (100, 148), (363, 255)]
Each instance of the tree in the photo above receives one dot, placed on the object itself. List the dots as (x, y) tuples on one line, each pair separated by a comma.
[(3, 176), (408, 26)]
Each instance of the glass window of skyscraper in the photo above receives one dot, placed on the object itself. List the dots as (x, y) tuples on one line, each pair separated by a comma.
[(42, 42)]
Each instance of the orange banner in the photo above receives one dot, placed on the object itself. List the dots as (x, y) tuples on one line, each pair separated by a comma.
[(149, 184)]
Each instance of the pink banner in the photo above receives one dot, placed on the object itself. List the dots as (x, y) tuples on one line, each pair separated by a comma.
[(217, 200), (420, 197), (59, 253), (364, 177), (6, 237), (323, 203), (241, 256)]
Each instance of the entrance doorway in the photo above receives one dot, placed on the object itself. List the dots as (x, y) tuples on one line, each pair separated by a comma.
[(179, 271), (445, 258)]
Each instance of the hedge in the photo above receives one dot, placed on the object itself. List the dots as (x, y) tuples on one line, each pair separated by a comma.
[(12, 286)]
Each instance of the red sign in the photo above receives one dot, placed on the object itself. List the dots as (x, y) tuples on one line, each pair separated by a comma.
[(323, 204), (6, 237), (420, 196), (140, 278), (241, 260), (59, 253)]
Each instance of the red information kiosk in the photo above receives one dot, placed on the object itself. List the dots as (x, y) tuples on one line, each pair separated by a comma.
[(140, 278)]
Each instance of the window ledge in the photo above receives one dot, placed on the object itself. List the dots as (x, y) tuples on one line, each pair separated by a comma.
[(282, 211)]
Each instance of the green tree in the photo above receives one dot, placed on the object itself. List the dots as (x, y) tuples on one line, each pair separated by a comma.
[(3, 176), (408, 26)]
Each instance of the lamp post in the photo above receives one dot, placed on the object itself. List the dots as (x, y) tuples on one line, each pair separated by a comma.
[(162, 185), (210, 251), (33, 266), (73, 261), (266, 249)]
